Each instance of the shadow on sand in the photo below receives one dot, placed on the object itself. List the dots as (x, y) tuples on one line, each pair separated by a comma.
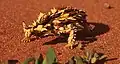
[(99, 29)]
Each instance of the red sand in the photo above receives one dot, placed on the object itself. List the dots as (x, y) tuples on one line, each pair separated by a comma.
[(13, 12)]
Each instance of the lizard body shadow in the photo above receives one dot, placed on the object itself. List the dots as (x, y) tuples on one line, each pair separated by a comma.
[(99, 29)]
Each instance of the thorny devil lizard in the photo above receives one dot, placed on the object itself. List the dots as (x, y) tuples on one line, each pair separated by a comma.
[(64, 20)]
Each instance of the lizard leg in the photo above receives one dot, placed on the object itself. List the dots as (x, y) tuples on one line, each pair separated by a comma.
[(27, 32), (27, 36), (71, 39)]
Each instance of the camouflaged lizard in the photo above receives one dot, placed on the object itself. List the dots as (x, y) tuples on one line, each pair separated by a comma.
[(65, 20)]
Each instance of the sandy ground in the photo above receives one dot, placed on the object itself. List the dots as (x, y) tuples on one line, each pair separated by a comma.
[(13, 12)]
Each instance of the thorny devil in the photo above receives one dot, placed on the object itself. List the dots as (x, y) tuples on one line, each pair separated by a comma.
[(64, 20)]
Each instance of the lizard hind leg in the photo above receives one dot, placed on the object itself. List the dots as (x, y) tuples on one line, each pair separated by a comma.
[(71, 38)]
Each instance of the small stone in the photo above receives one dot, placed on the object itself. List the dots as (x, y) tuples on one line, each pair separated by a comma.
[(106, 5)]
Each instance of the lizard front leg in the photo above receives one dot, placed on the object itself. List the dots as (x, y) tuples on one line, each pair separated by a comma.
[(27, 36), (27, 30)]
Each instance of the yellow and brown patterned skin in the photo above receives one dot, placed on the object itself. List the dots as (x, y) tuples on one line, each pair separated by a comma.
[(65, 20)]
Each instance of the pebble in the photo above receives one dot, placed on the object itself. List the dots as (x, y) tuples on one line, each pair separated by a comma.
[(107, 6)]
